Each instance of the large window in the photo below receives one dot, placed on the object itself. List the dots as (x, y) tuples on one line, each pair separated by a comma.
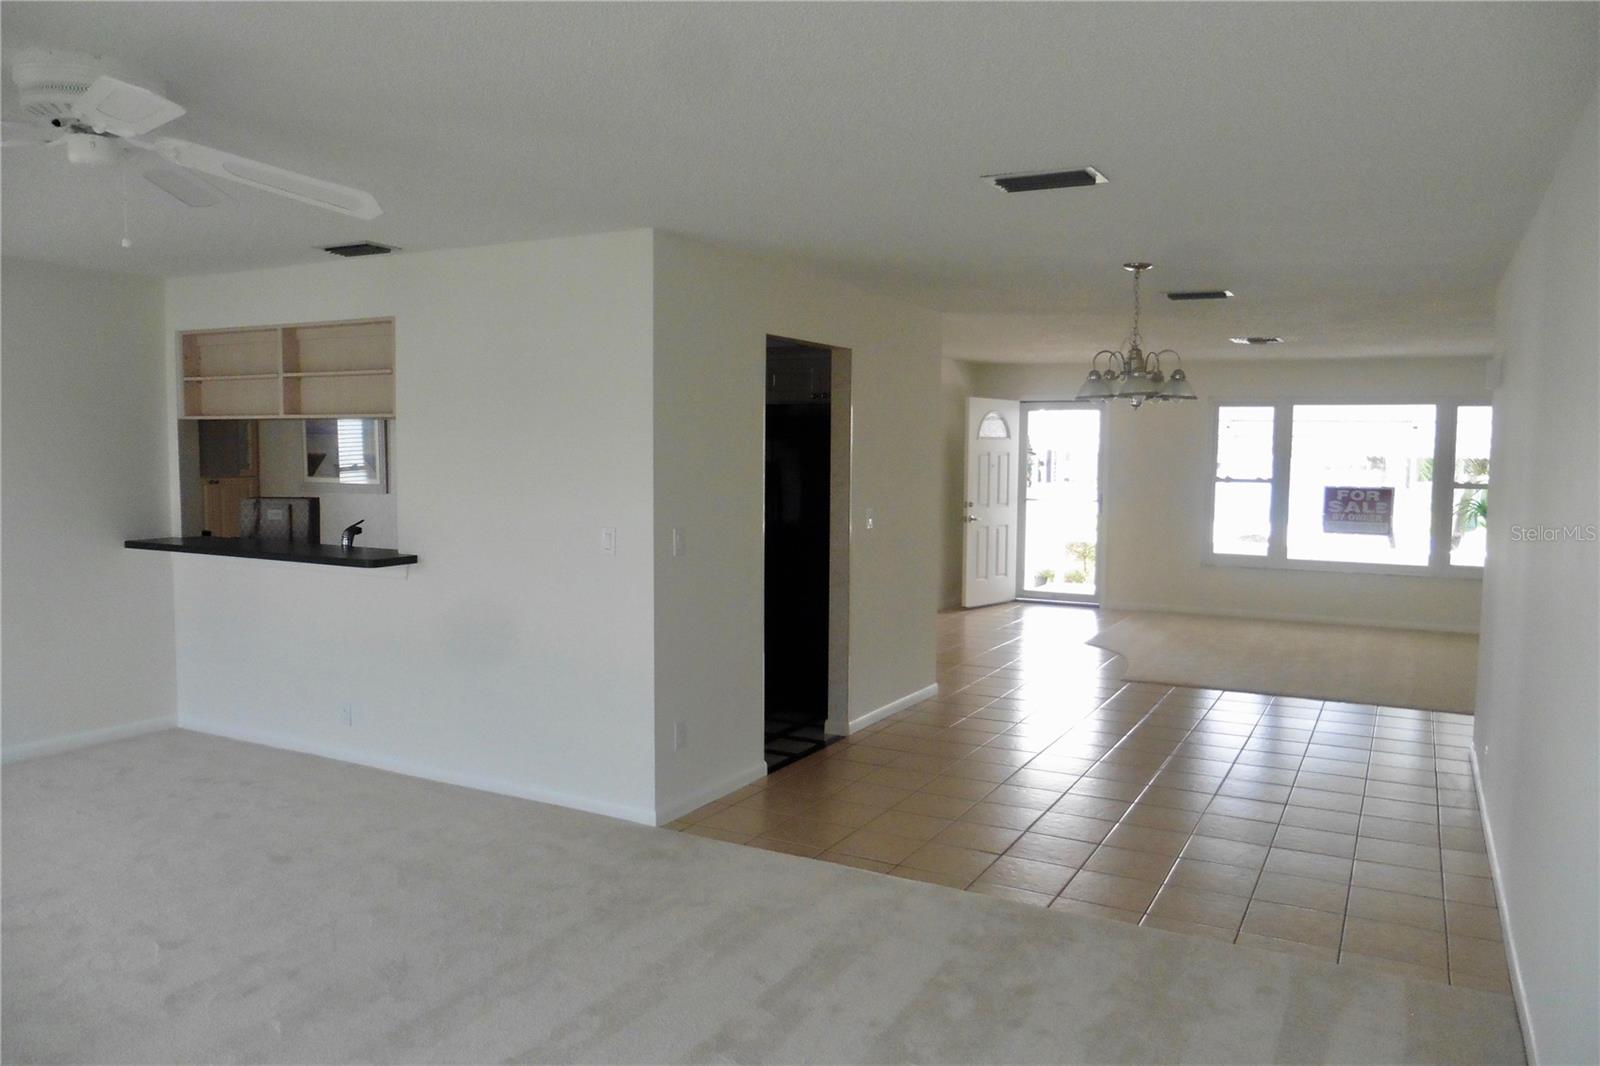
[(1241, 513), (1352, 486), (1340, 458)]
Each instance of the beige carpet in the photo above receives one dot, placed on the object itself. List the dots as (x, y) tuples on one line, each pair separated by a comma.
[(181, 898), (1356, 664)]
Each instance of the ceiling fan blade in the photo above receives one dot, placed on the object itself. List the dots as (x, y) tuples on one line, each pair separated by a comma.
[(114, 106), (183, 188), (19, 134), (307, 190)]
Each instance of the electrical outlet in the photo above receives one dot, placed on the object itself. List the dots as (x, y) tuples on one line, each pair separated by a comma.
[(680, 735), (608, 540), (872, 518), (677, 543), (347, 714)]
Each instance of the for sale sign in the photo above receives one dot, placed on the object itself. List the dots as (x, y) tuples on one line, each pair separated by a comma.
[(1346, 509)]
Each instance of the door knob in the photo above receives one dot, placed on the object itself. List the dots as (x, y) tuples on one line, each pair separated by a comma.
[(971, 518)]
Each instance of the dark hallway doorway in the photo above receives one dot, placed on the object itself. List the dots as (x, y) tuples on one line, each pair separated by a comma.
[(798, 501)]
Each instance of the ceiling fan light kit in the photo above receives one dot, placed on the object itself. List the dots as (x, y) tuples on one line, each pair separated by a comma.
[(99, 110)]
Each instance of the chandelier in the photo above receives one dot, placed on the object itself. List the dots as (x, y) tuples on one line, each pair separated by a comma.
[(1134, 374)]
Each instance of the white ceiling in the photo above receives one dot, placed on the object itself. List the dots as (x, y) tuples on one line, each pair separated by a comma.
[(1357, 173)]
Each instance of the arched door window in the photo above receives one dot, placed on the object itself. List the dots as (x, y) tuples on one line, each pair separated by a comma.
[(993, 427)]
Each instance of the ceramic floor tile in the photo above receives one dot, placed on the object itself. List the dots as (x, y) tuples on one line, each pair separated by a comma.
[(1398, 879), (1400, 907), (1061, 851), (1032, 875), (1283, 922), (1332, 830), (1471, 919), (1140, 865), (1306, 892), (1391, 940), (1213, 877), (989, 838), (1309, 864), (1177, 903), (1109, 890)]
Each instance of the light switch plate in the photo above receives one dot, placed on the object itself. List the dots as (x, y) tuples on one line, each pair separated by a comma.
[(608, 540), (872, 519), (677, 543)]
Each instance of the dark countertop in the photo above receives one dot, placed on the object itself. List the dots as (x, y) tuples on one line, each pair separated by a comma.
[(277, 550)]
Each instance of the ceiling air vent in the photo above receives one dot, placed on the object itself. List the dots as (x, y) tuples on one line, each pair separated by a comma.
[(1046, 179), (1256, 340), (1202, 294), (350, 251)]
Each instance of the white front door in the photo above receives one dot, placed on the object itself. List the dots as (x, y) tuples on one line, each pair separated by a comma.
[(990, 571)]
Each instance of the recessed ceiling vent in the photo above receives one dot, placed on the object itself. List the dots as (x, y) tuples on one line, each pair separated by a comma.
[(1256, 340), (350, 251), (1046, 179), (1202, 294)]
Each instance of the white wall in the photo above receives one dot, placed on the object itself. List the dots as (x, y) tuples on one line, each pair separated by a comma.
[(283, 467), (955, 386), (1537, 735), (1162, 470), (515, 656), (87, 623), (714, 309)]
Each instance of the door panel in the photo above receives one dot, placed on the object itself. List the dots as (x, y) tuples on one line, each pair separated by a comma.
[(989, 573)]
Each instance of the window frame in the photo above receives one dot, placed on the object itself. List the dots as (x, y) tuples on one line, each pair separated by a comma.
[(1277, 557)]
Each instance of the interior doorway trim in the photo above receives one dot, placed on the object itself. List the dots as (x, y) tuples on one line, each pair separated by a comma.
[(840, 503), (1102, 469)]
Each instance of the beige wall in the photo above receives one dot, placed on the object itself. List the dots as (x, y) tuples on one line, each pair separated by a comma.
[(87, 624), (515, 656), (955, 386), (1537, 731), (713, 311), (1162, 468)]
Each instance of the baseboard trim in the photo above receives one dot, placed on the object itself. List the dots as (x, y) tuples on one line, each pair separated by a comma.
[(34, 749), (1519, 992), (1284, 616), (926, 692), (666, 812), (394, 765)]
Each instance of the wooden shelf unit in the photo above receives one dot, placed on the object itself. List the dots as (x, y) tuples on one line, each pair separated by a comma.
[(308, 370)]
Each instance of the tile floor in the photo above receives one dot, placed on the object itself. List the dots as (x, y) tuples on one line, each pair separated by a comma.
[(1342, 831)]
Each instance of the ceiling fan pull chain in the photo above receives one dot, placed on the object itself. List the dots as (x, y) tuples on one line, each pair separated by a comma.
[(126, 242)]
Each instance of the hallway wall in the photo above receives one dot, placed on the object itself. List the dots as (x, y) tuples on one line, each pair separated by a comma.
[(1537, 740), (713, 311)]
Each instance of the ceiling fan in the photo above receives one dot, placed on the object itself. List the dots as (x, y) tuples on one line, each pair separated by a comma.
[(98, 111)]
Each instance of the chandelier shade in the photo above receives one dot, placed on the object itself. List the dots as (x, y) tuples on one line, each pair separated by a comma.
[(1132, 373)]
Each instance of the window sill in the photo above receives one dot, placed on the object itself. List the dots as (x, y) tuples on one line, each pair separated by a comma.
[(1252, 562)]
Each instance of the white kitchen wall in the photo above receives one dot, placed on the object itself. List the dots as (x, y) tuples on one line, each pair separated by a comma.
[(1537, 731), (87, 624), (283, 466), (1161, 471), (515, 656), (714, 309)]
